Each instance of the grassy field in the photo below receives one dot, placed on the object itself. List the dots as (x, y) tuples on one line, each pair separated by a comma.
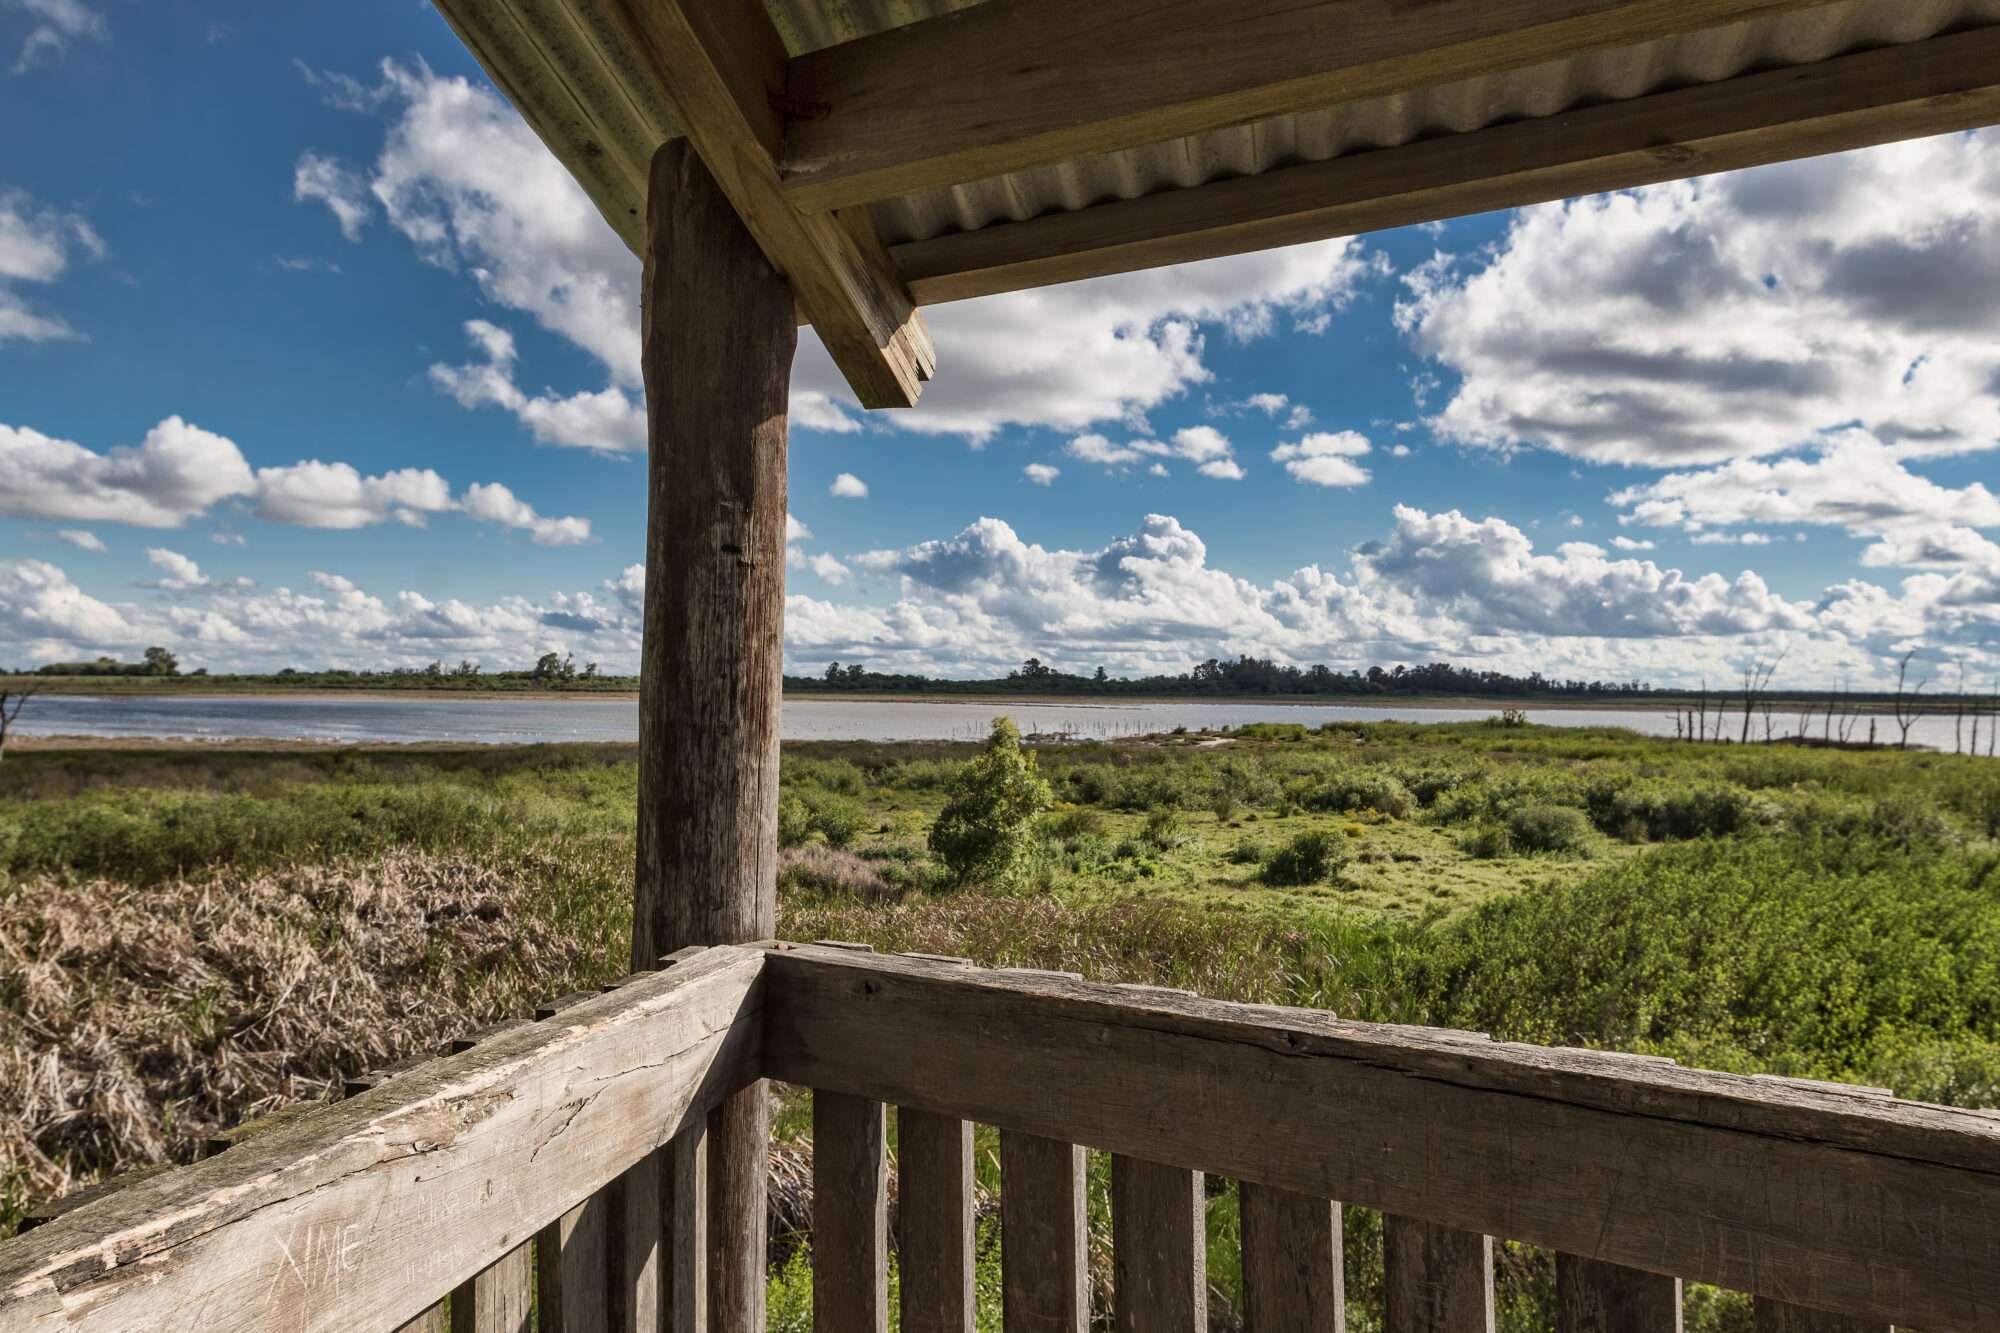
[(189, 937)]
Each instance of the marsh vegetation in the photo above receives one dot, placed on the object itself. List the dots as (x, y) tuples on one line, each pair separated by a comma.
[(189, 937)]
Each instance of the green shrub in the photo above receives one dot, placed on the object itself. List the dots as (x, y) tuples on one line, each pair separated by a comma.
[(1249, 852), (983, 832), (795, 821), (1351, 790), (836, 819), (1310, 858), (1163, 831), (1652, 810), (1071, 827), (1909, 824), (1489, 841), (1550, 828)]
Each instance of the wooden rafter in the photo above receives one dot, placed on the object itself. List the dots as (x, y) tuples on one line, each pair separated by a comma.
[(1012, 84), (606, 82), (1931, 87)]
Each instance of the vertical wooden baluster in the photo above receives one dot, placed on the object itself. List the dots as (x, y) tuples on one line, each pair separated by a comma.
[(430, 1321), (1435, 1279), (632, 1247), (850, 1215), (934, 1222), (1779, 1317), (1043, 1236), (684, 1244), (1159, 1248), (1596, 1297), (1293, 1278), (499, 1300), (570, 1270)]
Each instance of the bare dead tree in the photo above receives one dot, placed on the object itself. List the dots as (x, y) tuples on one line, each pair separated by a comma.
[(1756, 680), (11, 704), (1906, 701)]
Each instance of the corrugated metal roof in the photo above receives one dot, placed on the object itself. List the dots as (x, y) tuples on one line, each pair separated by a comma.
[(1799, 37)]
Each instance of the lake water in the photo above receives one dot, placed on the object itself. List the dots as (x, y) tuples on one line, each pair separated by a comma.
[(518, 720)]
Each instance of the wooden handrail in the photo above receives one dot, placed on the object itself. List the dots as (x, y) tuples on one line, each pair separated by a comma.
[(1851, 1203), (1638, 1172), (364, 1213)]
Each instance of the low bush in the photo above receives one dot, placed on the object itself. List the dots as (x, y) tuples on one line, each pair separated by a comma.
[(1163, 831), (1654, 811), (1315, 857), (1550, 828), (1348, 790)]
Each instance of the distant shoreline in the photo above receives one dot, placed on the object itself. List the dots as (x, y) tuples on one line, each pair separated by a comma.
[(184, 688)]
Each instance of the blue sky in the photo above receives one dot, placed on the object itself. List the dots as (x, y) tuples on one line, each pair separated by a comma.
[(309, 353)]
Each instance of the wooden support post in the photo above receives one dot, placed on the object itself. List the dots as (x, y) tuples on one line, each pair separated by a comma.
[(1778, 1317), (850, 1215), (1596, 1297), (684, 1237), (499, 1300), (572, 1270), (934, 1222), (1043, 1236), (1435, 1279), (632, 1246), (1159, 1248), (1292, 1272), (719, 334)]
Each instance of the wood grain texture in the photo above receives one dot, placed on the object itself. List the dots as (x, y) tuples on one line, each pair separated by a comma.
[(1043, 1236), (1013, 84), (632, 1253), (1435, 1279), (1762, 1187), (720, 61), (934, 1223), (1159, 1248), (1596, 1297), (605, 84), (354, 1214), (430, 1321), (1777, 1317), (501, 1299), (850, 1215), (1855, 101), (1294, 1280), (684, 1242), (739, 1137), (717, 356), (572, 1277)]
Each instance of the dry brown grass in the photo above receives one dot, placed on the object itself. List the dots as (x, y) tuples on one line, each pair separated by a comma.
[(136, 1021), (1226, 956)]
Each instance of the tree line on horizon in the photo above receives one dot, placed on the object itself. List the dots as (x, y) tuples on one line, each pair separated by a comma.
[(1242, 677)]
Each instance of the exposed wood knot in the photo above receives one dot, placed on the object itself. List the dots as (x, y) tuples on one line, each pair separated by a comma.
[(591, 148), (1674, 154), (730, 548), (795, 107)]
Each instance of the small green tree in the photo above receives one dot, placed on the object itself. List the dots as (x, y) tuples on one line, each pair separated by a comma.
[(984, 830), (160, 662)]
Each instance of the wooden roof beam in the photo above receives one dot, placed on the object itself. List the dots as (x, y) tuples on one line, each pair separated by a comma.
[(1935, 86), (606, 82), (1012, 84)]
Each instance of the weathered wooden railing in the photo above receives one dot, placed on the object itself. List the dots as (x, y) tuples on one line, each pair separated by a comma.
[(581, 1137)]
